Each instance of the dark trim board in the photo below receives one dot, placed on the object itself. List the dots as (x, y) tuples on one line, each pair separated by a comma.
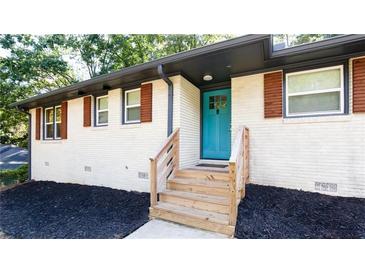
[(216, 86), (318, 66), (201, 124)]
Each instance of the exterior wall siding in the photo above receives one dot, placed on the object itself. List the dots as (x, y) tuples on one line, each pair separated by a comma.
[(297, 152), (118, 152), (115, 153), (293, 153), (189, 124)]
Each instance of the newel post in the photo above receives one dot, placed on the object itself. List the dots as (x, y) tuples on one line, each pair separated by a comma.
[(153, 181)]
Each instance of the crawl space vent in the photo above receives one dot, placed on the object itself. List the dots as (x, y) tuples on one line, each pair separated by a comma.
[(143, 175), (87, 168), (327, 187)]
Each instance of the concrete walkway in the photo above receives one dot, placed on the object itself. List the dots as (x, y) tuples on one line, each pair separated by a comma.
[(158, 229)]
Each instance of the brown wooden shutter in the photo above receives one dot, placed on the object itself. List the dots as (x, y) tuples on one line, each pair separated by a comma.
[(64, 120), (87, 111), (146, 103), (273, 94), (38, 123), (358, 84)]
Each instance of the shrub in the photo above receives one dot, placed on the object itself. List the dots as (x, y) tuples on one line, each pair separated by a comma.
[(19, 175)]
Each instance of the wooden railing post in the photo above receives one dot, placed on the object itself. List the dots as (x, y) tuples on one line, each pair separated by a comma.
[(153, 181), (177, 150), (233, 194), (238, 172), (246, 160)]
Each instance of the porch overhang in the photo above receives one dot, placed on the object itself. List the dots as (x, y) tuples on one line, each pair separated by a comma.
[(239, 56)]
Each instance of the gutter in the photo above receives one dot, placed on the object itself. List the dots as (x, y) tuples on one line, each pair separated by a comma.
[(170, 103), (29, 141)]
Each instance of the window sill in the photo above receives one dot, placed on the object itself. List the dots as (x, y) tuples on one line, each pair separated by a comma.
[(318, 119), (131, 125), (99, 128), (58, 141)]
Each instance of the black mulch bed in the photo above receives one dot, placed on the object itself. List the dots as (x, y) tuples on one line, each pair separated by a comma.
[(44, 209), (278, 213)]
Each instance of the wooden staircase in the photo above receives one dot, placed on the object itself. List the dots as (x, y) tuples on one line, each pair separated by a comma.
[(202, 198), (196, 198)]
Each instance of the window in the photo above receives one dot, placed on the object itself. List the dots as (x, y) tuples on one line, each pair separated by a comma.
[(217, 102), (284, 41), (132, 106), (315, 92), (102, 110), (52, 123)]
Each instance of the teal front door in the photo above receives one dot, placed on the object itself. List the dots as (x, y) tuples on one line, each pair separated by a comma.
[(216, 137)]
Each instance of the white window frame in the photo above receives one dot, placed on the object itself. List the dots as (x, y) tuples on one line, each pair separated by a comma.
[(341, 90), (55, 122), (103, 110), (126, 107), (49, 123)]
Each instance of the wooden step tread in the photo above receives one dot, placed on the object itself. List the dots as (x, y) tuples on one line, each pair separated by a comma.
[(193, 212), (210, 169), (221, 200), (200, 182), (191, 221), (202, 174)]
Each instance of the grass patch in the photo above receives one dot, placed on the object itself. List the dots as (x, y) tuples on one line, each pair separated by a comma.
[(9, 177)]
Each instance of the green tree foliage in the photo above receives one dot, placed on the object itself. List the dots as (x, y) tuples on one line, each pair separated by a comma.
[(32, 64), (9, 177), (102, 53)]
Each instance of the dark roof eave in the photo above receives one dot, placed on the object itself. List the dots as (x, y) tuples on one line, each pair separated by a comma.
[(186, 55), (247, 39)]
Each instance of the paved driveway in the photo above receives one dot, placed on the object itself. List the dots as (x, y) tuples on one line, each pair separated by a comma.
[(12, 157)]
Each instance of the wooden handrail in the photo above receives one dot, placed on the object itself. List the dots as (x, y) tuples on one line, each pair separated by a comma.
[(238, 171), (164, 163)]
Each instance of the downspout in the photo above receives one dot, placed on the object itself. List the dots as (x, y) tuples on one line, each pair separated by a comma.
[(170, 101), (29, 142)]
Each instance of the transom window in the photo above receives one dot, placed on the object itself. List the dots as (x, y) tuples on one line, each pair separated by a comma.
[(132, 106), (52, 123), (315, 92), (102, 110)]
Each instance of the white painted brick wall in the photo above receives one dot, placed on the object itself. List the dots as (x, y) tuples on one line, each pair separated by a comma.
[(189, 124), (117, 153), (291, 153), (295, 153)]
